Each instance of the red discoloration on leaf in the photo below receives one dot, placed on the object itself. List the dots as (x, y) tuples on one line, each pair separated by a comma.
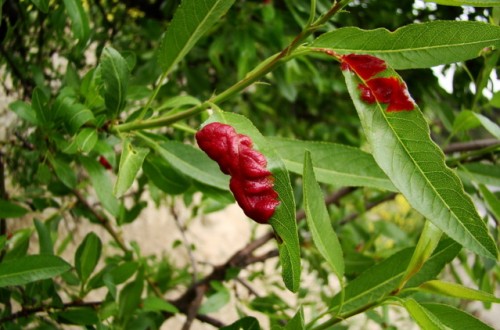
[(251, 183), (365, 66), (387, 90), (104, 162)]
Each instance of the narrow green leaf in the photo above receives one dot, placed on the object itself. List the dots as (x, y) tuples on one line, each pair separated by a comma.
[(115, 75), (44, 238), (402, 147), (11, 210), (192, 19), (79, 21), (482, 173), (86, 139), (130, 163), (425, 319), (283, 221), (474, 3), (455, 318), (492, 202), (39, 105), (334, 164), (489, 125), (130, 298), (64, 172), (457, 290), (428, 241), (420, 45), (24, 111), (383, 278), (296, 322), (42, 5), (155, 304), (245, 323), (164, 176), (77, 316), (193, 163), (87, 255), (31, 268), (216, 301), (318, 221), (101, 182)]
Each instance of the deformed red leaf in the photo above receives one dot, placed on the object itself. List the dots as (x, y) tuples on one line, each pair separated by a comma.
[(387, 90), (365, 66), (251, 183)]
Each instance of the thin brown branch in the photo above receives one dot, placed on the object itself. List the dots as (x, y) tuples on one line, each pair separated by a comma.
[(186, 243), (194, 306), (470, 145)]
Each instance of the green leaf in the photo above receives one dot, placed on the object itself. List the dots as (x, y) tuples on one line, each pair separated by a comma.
[(474, 3), (457, 290), (11, 210), (402, 147), (334, 164), (296, 322), (31, 268), (24, 111), (155, 304), (102, 185), (425, 319), (465, 121), (64, 172), (87, 255), (86, 139), (482, 173), (489, 125), (420, 45), (318, 220), (42, 5), (39, 105), (492, 202), (384, 278), (44, 238), (428, 241), (130, 298), (130, 163), (191, 21), (115, 75), (455, 318), (79, 21), (193, 163), (77, 316), (283, 221), (245, 323), (164, 176), (216, 301)]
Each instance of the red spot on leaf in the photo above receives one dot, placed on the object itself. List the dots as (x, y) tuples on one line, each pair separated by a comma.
[(251, 183), (104, 162), (365, 66), (387, 90)]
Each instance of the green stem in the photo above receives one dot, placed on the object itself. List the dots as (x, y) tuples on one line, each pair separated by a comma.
[(267, 66)]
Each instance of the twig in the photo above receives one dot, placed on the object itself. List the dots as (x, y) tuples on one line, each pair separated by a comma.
[(186, 243), (194, 306), (471, 145), (3, 195)]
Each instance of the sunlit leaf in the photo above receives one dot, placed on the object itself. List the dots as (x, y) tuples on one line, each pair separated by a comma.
[(402, 147), (420, 45), (31, 268), (130, 163), (192, 20)]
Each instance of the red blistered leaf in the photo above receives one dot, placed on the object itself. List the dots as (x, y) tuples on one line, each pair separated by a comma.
[(365, 66), (388, 90), (251, 183)]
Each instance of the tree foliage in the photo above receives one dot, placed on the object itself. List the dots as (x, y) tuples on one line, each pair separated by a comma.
[(392, 200)]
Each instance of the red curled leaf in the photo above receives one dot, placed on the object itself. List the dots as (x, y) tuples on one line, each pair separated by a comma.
[(104, 162), (251, 183), (365, 66)]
